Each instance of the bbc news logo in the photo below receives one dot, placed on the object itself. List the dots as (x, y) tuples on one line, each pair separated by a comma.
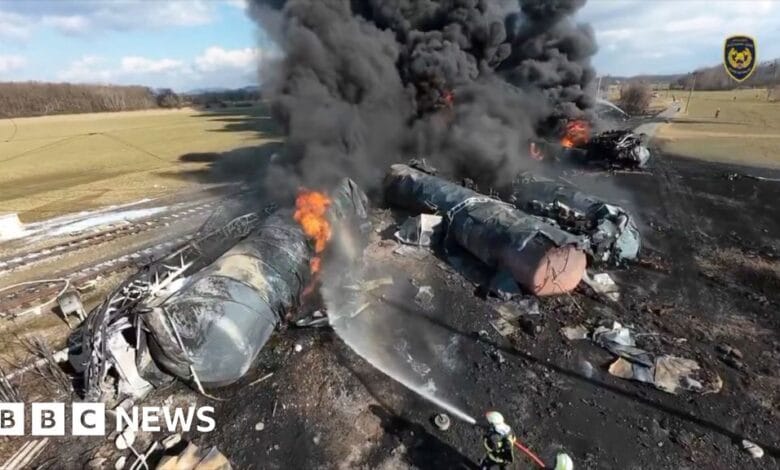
[(89, 419)]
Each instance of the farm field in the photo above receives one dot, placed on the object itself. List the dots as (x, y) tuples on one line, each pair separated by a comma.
[(746, 131), (60, 164)]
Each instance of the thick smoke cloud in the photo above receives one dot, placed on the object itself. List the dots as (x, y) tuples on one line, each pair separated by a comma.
[(465, 83)]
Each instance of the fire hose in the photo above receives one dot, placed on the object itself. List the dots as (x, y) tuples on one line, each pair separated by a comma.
[(529, 453), (562, 460)]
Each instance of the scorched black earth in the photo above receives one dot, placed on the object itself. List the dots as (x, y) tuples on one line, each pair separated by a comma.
[(707, 281)]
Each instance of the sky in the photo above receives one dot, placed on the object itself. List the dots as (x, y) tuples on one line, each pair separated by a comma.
[(194, 44)]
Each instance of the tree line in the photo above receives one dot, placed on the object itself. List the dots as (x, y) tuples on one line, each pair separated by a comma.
[(766, 75), (22, 99), (713, 78), (224, 98)]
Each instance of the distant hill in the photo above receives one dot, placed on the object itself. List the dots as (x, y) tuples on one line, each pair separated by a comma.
[(716, 78), (202, 91), (615, 80), (221, 96), (767, 73)]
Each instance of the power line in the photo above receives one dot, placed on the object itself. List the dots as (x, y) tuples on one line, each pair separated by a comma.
[(42, 147), (13, 123), (133, 146), (66, 139)]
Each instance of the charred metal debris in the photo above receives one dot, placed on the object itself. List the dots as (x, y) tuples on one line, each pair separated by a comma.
[(611, 231), (610, 150), (202, 314), (617, 149)]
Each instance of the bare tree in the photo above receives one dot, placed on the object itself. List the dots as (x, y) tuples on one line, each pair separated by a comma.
[(18, 99), (166, 98), (635, 97)]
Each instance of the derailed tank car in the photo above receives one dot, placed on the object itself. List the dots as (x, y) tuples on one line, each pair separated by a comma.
[(205, 322)]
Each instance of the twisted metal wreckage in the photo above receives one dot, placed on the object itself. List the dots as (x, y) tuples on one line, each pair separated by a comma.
[(612, 150), (203, 314), (200, 319), (611, 231)]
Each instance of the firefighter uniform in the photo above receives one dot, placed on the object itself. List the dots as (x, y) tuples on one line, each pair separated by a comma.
[(499, 450), (499, 443)]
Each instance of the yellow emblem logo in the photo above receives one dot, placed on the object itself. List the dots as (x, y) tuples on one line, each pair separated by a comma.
[(739, 57)]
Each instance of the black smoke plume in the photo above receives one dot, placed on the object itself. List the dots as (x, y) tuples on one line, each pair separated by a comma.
[(466, 83)]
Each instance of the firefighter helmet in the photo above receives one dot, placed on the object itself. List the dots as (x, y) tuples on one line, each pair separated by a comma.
[(494, 417), (563, 462), (496, 421)]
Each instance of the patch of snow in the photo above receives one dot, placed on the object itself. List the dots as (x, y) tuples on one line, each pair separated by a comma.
[(104, 219), (85, 220)]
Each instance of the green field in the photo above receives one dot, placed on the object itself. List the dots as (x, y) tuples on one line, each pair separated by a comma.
[(58, 164), (747, 130)]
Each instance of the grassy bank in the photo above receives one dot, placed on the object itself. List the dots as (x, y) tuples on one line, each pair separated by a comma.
[(58, 164), (746, 131)]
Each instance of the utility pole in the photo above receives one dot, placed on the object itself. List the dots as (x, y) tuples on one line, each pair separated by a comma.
[(598, 88), (772, 83), (693, 85)]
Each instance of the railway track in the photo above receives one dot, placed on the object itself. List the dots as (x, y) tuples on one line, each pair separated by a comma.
[(25, 298), (96, 238), (33, 298)]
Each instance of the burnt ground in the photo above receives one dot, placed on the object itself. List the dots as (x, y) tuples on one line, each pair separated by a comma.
[(709, 276)]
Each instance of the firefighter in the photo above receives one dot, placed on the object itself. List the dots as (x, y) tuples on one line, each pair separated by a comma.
[(499, 443)]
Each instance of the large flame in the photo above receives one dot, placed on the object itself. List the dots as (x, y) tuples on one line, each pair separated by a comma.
[(311, 209), (577, 133)]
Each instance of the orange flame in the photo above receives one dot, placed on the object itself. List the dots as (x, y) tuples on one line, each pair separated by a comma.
[(449, 98), (311, 209), (577, 133)]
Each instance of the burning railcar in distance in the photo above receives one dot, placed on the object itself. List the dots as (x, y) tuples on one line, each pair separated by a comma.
[(613, 149)]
